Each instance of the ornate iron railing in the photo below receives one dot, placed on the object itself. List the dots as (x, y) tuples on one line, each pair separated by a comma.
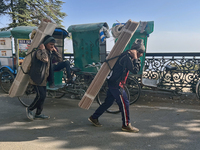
[(186, 76)]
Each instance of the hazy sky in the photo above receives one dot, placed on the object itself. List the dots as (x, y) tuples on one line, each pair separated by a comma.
[(176, 22)]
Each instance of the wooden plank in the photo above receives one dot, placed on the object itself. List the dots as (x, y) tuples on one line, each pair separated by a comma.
[(21, 81), (100, 77)]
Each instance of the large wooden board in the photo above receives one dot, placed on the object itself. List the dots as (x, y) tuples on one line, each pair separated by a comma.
[(100, 77), (21, 81)]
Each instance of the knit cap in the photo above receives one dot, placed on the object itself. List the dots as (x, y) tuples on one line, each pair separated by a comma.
[(138, 45), (49, 39)]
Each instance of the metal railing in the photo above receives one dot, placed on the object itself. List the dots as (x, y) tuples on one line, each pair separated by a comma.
[(187, 64), (187, 73)]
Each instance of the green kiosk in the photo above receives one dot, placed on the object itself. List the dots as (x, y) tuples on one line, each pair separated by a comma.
[(89, 44), (89, 47)]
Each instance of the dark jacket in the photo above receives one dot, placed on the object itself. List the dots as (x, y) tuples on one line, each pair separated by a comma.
[(44, 56), (121, 69)]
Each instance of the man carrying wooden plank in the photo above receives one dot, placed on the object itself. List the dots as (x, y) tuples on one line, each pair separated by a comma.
[(127, 61), (21, 81), (40, 69), (96, 84)]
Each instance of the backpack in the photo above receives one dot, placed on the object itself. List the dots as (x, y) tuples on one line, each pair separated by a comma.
[(37, 70)]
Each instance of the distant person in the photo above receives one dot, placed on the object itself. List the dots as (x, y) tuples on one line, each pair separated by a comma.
[(127, 61), (40, 69)]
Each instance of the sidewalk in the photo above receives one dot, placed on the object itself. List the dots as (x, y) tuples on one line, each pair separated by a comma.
[(165, 124)]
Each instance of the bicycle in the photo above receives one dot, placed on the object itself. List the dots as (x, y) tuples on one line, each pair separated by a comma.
[(6, 79), (197, 89), (81, 81), (77, 88)]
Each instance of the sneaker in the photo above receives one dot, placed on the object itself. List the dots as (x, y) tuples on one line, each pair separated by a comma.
[(130, 128), (29, 114), (52, 86), (41, 116), (94, 121), (70, 81)]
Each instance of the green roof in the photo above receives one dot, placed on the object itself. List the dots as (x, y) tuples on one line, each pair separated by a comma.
[(87, 27), (22, 32), (5, 34)]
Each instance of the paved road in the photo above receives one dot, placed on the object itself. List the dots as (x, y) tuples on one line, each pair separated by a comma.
[(165, 124)]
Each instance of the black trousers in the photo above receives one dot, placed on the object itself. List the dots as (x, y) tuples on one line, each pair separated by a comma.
[(58, 67), (39, 99), (61, 65), (119, 95)]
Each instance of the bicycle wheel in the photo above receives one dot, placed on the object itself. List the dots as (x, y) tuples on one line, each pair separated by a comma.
[(6, 80), (55, 94), (102, 95), (29, 95), (134, 89), (198, 90), (81, 85)]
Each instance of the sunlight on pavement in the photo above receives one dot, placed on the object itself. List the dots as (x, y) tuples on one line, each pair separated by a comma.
[(24, 125), (168, 108), (3, 95), (131, 134), (194, 129), (52, 142), (77, 130), (180, 133), (13, 125), (184, 140), (192, 125), (117, 143), (160, 127), (154, 134), (169, 146), (39, 127)]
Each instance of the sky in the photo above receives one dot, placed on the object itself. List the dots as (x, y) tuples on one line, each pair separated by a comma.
[(176, 22)]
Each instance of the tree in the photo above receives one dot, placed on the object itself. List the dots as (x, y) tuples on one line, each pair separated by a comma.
[(31, 12)]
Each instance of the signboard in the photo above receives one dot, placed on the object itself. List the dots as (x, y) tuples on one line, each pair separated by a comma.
[(6, 52), (5, 43), (3, 53), (23, 45), (2, 42)]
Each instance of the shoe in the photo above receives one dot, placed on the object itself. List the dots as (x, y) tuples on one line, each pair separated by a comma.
[(29, 114), (52, 86), (70, 81), (94, 121), (130, 128), (41, 116)]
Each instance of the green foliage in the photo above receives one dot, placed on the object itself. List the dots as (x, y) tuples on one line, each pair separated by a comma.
[(31, 12), (22, 54)]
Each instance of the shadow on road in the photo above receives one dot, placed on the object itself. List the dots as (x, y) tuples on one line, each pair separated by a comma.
[(162, 126)]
